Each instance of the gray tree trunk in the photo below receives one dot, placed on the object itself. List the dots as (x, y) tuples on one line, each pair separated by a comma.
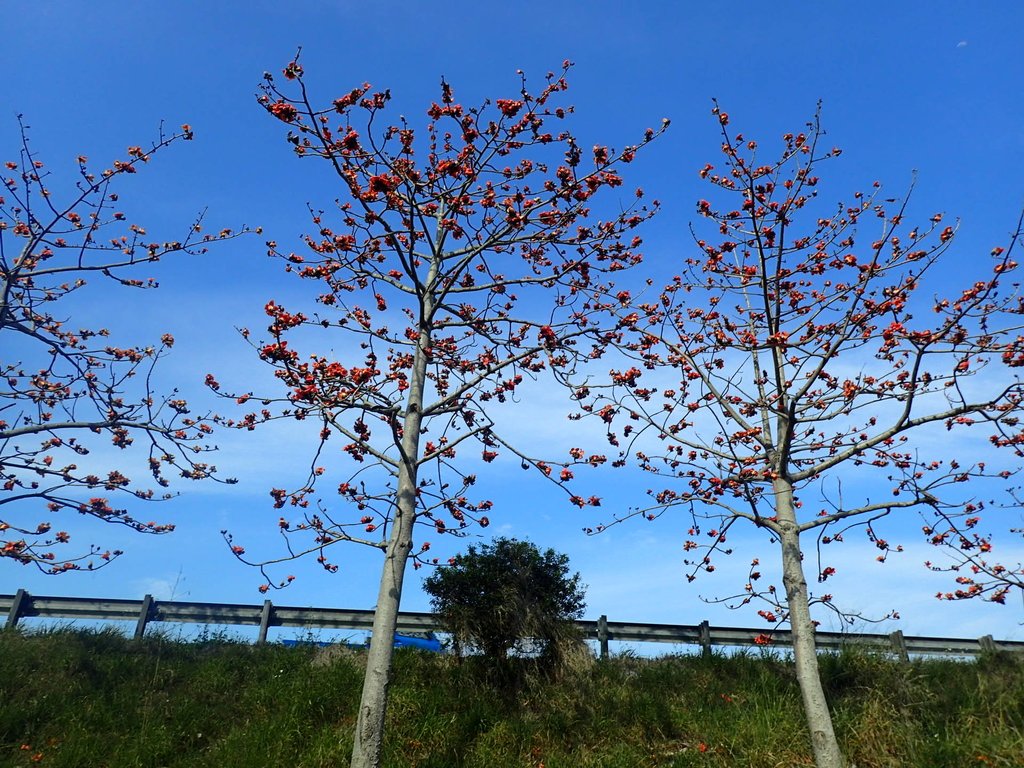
[(369, 734), (819, 720)]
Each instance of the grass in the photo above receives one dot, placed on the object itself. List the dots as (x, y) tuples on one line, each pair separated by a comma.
[(74, 698)]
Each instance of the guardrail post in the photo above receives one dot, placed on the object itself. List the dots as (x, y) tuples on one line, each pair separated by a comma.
[(602, 634), (988, 644), (899, 645), (144, 613), (264, 622), (704, 632), (20, 598)]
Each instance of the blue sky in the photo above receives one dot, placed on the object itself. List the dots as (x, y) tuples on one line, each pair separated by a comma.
[(905, 86)]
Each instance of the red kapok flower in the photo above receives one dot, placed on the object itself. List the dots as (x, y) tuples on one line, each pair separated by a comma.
[(284, 111)]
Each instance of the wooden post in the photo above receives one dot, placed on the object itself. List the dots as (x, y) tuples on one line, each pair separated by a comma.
[(144, 612), (705, 639), (264, 622), (602, 635), (899, 645), (20, 600), (988, 644)]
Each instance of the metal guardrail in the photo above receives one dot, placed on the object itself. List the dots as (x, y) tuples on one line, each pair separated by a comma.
[(143, 612)]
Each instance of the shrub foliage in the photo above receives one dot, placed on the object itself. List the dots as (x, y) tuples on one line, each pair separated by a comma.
[(507, 596)]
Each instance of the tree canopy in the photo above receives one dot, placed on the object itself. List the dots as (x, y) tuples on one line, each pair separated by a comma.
[(506, 596)]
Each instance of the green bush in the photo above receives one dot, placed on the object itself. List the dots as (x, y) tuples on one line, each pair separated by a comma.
[(508, 596)]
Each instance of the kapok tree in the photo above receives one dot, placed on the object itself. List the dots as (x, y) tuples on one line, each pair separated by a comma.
[(463, 260), (69, 389), (799, 377)]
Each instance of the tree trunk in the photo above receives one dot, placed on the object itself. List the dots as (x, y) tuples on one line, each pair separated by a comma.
[(819, 720), (369, 735)]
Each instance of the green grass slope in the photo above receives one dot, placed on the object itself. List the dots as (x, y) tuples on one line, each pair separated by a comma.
[(95, 699)]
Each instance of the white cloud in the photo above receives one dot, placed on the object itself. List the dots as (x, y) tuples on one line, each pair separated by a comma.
[(171, 587)]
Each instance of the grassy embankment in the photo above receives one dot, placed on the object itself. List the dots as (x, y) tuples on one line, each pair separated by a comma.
[(91, 699)]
